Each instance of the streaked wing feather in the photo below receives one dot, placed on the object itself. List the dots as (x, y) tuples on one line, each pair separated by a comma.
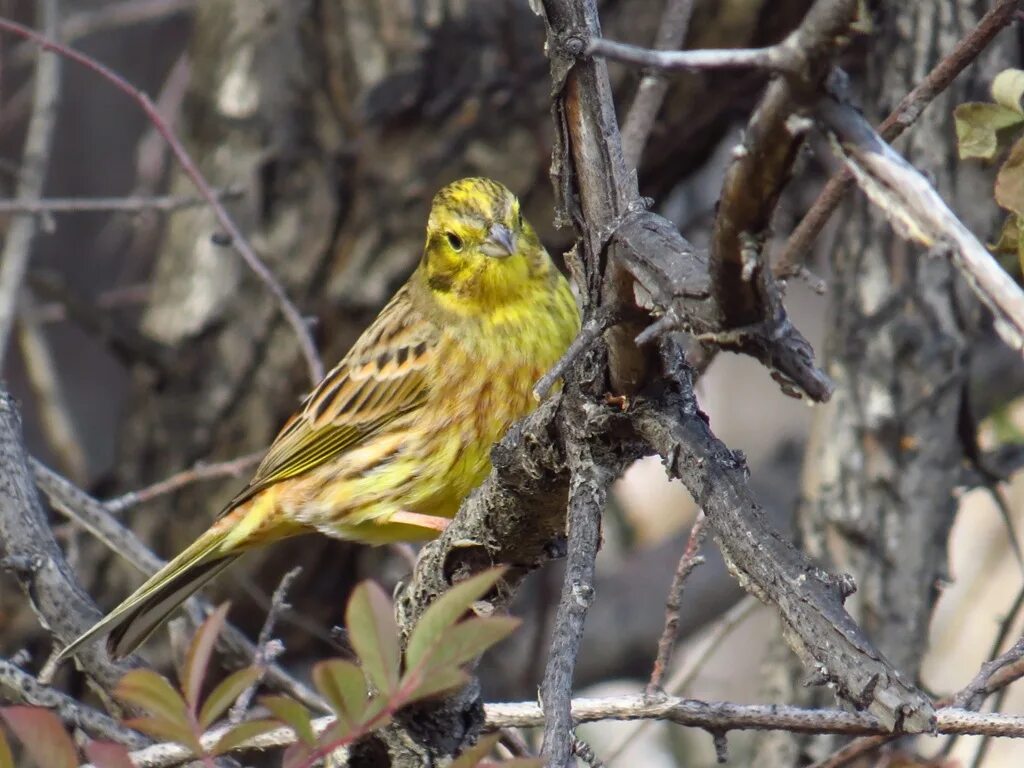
[(381, 378)]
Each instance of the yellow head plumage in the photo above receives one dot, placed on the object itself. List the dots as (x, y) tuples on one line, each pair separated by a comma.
[(480, 252)]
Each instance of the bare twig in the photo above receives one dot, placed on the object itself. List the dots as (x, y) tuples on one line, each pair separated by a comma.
[(32, 175), (589, 333), (79, 506), (267, 650), (902, 117), (18, 686), (589, 485), (201, 471), (675, 20), (775, 58), (165, 203), (238, 240), (54, 414), (667, 641), (711, 716), (918, 213)]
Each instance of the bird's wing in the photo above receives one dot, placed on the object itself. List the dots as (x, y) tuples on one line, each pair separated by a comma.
[(381, 378)]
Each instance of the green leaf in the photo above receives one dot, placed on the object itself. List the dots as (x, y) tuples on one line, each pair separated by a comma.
[(1007, 89), (978, 125), (370, 622), (1010, 180), (1009, 237), (297, 756), (468, 639), (197, 659), (436, 681), (43, 736), (107, 754), (292, 714), (470, 758), (152, 693), (221, 697), (343, 685), (167, 730), (6, 757), (445, 611), (242, 733)]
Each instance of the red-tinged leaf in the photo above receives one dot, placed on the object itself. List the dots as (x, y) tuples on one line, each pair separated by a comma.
[(466, 640), (166, 730), (6, 757), (153, 693), (978, 125), (343, 685), (197, 659), (297, 756), (471, 757), (43, 736), (435, 682), (243, 732), (221, 697), (447, 610), (293, 714), (370, 622), (107, 754)]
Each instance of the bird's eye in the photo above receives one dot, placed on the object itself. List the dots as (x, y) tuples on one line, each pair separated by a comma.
[(454, 241)]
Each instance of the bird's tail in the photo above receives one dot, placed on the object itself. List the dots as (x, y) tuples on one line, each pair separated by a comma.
[(130, 623)]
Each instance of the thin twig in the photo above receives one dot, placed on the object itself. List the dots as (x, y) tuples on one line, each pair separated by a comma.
[(776, 58), (589, 485), (19, 686), (54, 413), (234, 234), (166, 203), (267, 649), (650, 93), (32, 175), (683, 677), (687, 563), (589, 333), (902, 117), (179, 480), (709, 715)]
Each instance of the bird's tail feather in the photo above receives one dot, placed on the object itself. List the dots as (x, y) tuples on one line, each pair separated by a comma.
[(130, 623)]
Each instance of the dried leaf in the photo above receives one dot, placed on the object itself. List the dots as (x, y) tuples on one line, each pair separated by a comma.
[(445, 611), (221, 697), (1010, 180), (1007, 89), (43, 736), (107, 754), (1009, 237), (978, 125), (242, 733), (292, 714), (6, 757), (370, 622), (197, 659), (343, 685)]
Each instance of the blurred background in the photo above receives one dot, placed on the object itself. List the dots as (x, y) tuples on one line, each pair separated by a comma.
[(143, 348)]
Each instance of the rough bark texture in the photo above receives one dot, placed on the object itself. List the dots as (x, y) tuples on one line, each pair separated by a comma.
[(886, 453)]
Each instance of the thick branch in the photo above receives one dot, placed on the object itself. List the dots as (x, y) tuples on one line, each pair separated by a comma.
[(809, 601), (917, 212)]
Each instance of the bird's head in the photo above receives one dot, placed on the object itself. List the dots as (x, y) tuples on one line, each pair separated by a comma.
[(480, 253)]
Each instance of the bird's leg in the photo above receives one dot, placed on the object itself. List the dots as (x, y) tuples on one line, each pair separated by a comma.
[(431, 522)]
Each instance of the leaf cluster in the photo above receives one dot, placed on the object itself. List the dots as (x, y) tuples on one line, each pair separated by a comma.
[(363, 693)]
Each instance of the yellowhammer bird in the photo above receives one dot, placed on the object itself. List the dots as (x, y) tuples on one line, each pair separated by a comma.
[(399, 432)]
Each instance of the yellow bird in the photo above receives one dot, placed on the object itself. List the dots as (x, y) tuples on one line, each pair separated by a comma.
[(399, 432)]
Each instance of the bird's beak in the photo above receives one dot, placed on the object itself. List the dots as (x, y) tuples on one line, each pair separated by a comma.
[(500, 242)]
